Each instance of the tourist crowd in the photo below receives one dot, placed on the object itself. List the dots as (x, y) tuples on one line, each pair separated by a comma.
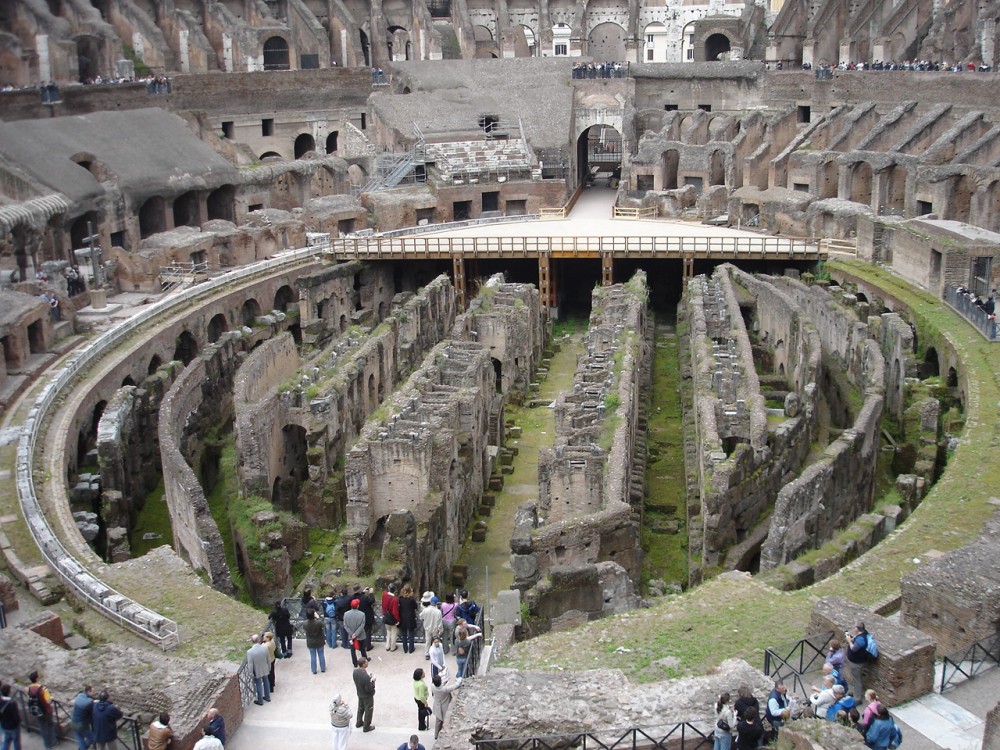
[(833, 699), (827, 71), (601, 70)]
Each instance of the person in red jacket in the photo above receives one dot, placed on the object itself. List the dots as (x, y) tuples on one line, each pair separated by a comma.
[(390, 617)]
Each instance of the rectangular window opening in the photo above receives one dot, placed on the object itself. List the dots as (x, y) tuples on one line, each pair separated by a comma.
[(227, 130), (805, 113), (267, 127)]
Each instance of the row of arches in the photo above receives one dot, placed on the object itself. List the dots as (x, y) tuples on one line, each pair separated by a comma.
[(192, 209)]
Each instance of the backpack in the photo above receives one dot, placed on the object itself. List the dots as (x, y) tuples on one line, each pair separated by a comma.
[(897, 736), (871, 647), (330, 609), (35, 702)]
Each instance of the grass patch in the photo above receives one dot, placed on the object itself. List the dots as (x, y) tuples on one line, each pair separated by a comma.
[(154, 518)]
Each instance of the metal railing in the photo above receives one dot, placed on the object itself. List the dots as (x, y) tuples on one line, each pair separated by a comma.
[(791, 661), (129, 730), (148, 624), (623, 246), (681, 736), (964, 665), (972, 312)]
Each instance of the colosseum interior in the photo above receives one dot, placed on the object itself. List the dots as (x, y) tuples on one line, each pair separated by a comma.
[(681, 311)]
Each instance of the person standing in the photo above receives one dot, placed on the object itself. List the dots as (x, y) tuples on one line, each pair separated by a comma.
[(407, 618), (340, 722), (364, 683), (449, 618), (272, 657), (216, 725), (441, 700), (749, 730), (259, 665), (367, 606), (106, 716), (330, 619), (161, 736), (354, 624), (421, 697), (437, 658), (430, 616), (778, 709), (315, 640), (390, 617), (40, 706), (82, 718), (725, 721), (10, 720), (857, 656), (282, 620)]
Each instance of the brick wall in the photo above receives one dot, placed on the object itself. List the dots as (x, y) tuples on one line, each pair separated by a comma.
[(905, 666)]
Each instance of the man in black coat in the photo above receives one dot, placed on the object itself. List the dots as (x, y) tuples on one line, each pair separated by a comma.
[(365, 685)]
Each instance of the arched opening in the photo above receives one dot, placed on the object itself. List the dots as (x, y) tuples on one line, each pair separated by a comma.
[(716, 46), (952, 378), (829, 187), (249, 312), (372, 393), (861, 183), (221, 202), (382, 309), (86, 440), (186, 210), (128, 381), (498, 372), (485, 45), (152, 218), (217, 326), (606, 42), (304, 144), (599, 154), (276, 54), (670, 162), (656, 42), (525, 42), (88, 58), (331, 142), (154, 364), (930, 368), (396, 42), (78, 230), (283, 298), (717, 168), (270, 155), (343, 323), (959, 206), (185, 348), (365, 48), (294, 467), (895, 190), (357, 175)]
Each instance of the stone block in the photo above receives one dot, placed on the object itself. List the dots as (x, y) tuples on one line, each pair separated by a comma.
[(905, 667), (507, 608)]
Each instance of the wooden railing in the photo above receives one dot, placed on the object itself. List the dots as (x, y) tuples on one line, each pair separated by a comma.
[(632, 212)]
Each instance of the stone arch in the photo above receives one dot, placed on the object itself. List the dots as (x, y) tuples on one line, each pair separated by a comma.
[(655, 37), (382, 309), (397, 38), (217, 326), (249, 312), (127, 381), (89, 51), (357, 175), (152, 218), (606, 41), (283, 298), (716, 45), (669, 163), (372, 392), (598, 146), (861, 183), (485, 44), (86, 439), (331, 142), (931, 366), (271, 155), (186, 210), (828, 186), (530, 40), (343, 322), (185, 348), (717, 168), (78, 230), (304, 143), (894, 198), (952, 378), (366, 51), (154, 364), (276, 54), (221, 203)]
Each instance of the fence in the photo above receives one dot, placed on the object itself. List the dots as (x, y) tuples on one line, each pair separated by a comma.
[(682, 736), (790, 662), (630, 212), (968, 309), (129, 731), (967, 664)]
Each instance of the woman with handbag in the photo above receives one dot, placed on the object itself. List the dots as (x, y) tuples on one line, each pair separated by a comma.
[(724, 721), (421, 694)]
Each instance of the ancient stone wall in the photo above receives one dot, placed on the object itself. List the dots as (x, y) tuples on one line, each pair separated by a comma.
[(905, 666), (128, 454), (425, 463), (837, 488), (584, 515), (200, 401), (991, 734), (955, 598)]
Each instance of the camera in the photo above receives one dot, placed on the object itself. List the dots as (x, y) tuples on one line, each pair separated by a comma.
[(847, 634)]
